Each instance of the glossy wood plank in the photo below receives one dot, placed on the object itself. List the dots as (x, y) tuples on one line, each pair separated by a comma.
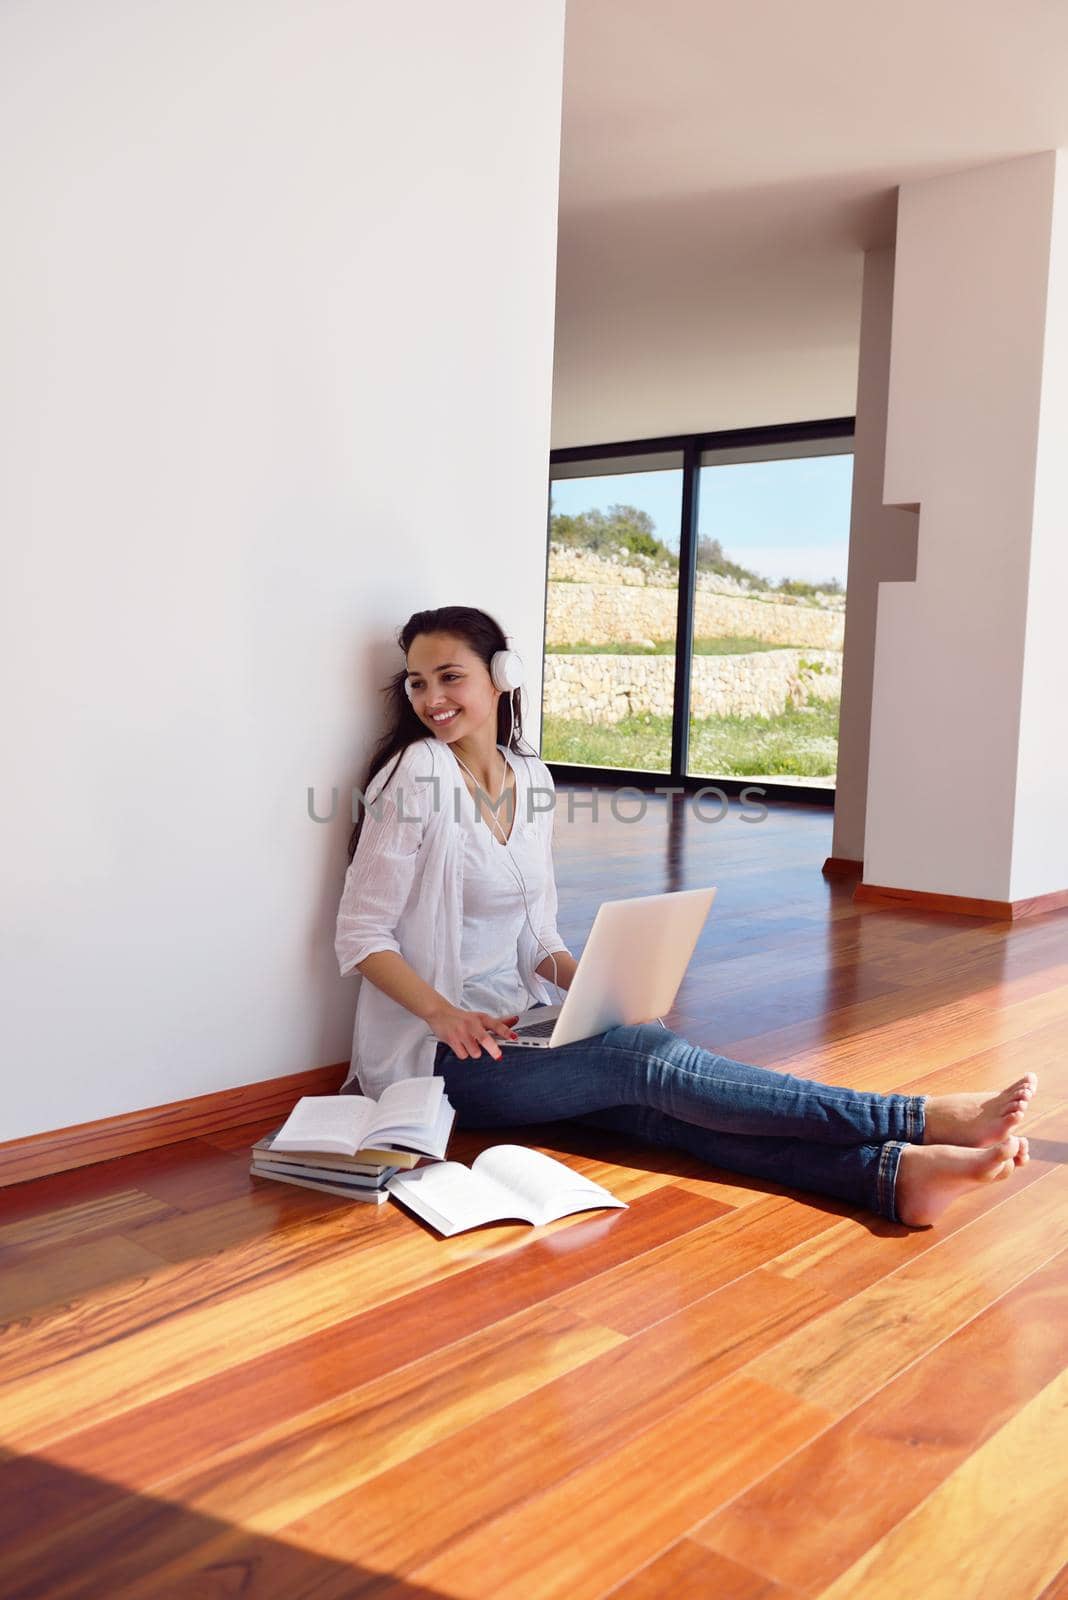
[(646, 1496), (641, 1292), (689, 1571), (180, 1430), (192, 1424), (854, 1349), (195, 1175), (186, 1176), (862, 1250), (262, 1207), (111, 1213), (396, 1520), (859, 1034), (295, 1466), (112, 1307), (410, 1256), (294, 1571), (942, 1036), (1041, 1052), (161, 1358), (713, 1011), (1006, 1482), (648, 1375), (808, 1521), (325, 1451), (322, 1455), (50, 1278)]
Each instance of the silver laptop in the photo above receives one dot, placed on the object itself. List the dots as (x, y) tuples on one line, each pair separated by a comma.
[(629, 971)]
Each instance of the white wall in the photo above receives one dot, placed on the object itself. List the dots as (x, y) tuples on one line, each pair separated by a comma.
[(966, 379), (277, 295), (657, 334), (882, 547)]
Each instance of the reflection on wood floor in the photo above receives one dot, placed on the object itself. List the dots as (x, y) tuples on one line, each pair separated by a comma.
[(212, 1387)]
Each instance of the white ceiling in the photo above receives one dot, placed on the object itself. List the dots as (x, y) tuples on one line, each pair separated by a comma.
[(723, 169)]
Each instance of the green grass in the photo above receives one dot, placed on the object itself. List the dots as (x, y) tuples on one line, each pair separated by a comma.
[(725, 645), (797, 743)]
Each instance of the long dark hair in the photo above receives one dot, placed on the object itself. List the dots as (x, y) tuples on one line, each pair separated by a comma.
[(485, 636)]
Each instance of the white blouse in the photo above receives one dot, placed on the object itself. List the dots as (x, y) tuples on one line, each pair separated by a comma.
[(405, 891), (497, 875)]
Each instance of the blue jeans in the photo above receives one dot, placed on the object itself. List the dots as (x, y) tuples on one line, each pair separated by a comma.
[(647, 1083)]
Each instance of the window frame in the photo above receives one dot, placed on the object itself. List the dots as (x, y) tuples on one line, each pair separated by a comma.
[(692, 447)]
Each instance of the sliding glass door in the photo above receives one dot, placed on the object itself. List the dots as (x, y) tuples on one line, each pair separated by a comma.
[(611, 612), (696, 606), (769, 613)]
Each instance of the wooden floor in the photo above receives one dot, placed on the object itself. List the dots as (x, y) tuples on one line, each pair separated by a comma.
[(213, 1388)]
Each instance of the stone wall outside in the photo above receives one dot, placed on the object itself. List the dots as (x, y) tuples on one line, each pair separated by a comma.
[(589, 613), (567, 565), (601, 689)]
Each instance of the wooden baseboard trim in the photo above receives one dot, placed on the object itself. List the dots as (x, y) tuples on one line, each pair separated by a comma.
[(960, 905), (842, 867), (64, 1148)]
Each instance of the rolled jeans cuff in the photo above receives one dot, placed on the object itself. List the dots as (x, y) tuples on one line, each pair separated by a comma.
[(915, 1117), (886, 1179)]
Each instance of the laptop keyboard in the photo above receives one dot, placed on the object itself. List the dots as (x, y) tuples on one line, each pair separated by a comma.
[(537, 1030)]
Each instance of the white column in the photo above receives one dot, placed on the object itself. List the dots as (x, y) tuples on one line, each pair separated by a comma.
[(968, 758), (882, 546), (1040, 837)]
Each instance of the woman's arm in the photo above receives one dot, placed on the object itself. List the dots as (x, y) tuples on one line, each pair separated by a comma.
[(392, 974), (465, 1032), (565, 969), (383, 870)]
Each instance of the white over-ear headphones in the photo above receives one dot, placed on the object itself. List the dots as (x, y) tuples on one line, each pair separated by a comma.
[(506, 672)]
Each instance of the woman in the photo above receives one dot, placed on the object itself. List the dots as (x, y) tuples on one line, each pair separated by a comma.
[(449, 913)]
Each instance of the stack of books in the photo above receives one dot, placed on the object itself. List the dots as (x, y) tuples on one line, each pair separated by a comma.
[(363, 1149), (350, 1145)]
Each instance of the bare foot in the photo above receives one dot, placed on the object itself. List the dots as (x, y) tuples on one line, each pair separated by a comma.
[(977, 1120), (931, 1177)]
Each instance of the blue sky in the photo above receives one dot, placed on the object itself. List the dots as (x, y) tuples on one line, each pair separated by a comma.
[(783, 519)]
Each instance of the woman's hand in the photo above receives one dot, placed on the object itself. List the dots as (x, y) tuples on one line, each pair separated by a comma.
[(467, 1032)]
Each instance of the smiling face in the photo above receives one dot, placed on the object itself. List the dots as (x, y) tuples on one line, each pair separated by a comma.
[(452, 691)]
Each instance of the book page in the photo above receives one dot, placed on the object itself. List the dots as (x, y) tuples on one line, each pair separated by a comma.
[(411, 1103), (453, 1198), (545, 1188), (332, 1122)]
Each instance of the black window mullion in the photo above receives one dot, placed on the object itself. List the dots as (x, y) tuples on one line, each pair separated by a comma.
[(680, 720)]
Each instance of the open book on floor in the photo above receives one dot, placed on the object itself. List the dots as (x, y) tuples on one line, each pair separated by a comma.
[(506, 1183), (412, 1116)]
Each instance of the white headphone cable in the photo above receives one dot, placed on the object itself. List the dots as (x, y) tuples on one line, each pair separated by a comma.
[(513, 865)]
